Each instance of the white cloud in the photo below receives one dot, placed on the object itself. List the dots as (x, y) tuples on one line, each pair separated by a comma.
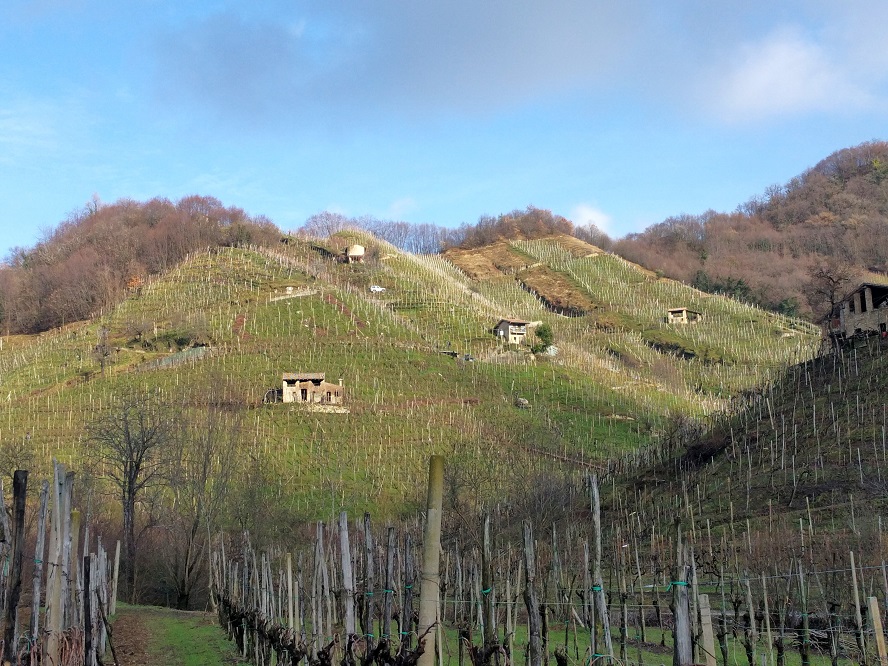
[(587, 214), (785, 74)]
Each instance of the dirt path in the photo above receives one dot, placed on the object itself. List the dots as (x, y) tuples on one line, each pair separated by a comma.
[(130, 638), (148, 635)]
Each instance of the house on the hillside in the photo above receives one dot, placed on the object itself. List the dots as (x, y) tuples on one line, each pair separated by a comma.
[(862, 312), (354, 254), (312, 388), (513, 331), (683, 316)]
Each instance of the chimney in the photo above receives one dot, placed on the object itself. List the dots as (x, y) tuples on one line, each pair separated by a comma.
[(340, 381)]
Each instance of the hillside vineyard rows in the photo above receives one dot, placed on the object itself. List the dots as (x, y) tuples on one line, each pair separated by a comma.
[(738, 469)]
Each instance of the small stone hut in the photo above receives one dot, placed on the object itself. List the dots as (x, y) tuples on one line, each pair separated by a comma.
[(312, 388), (354, 254), (513, 331), (683, 316)]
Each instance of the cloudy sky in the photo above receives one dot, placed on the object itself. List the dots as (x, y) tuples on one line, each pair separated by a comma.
[(620, 112)]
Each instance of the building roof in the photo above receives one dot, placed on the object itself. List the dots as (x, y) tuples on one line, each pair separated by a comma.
[(304, 376), (874, 281), (682, 310), (519, 322)]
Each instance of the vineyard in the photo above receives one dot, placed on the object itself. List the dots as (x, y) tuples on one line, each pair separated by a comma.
[(711, 491), (422, 372)]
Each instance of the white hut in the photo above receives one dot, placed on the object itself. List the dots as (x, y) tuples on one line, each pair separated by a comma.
[(354, 254)]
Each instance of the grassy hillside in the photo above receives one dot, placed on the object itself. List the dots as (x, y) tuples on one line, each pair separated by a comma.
[(222, 326)]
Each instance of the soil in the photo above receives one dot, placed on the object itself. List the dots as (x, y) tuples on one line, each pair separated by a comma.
[(130, 638)]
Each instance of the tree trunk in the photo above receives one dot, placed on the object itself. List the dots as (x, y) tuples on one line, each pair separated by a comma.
[(129, 544)]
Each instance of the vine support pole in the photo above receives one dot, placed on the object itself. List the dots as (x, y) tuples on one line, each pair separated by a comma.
[(431, 559)]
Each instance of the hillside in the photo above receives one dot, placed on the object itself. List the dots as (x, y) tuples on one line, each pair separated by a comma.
[(771, 248), (421, 370)]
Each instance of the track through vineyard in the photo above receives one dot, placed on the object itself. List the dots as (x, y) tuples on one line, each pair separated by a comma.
[(151, 635)]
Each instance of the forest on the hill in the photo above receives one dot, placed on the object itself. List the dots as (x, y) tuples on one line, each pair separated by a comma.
[(774, 249), (87, 262), (794, 249)]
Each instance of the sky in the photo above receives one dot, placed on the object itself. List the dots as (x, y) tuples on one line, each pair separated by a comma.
[(620, 113)]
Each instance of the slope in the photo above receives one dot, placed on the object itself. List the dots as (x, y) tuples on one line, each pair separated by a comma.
[(222, 326)]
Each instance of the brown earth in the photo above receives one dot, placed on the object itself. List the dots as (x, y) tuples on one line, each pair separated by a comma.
[(130, 638), (490, 261), (557, 290)]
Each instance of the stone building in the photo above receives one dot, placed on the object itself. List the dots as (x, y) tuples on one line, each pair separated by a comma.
[(683, 316), (312, 388), (513, 331), (864, 311)]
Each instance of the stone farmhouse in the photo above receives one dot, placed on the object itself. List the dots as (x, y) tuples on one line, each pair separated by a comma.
[(683, 316), (512, 331), (311, 388), (862, 312)]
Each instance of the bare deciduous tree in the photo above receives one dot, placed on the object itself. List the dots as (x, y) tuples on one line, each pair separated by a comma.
[(132, 443), (198, 484), (828, 281)]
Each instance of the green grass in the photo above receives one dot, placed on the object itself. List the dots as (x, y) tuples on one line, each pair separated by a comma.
[(189, 640)]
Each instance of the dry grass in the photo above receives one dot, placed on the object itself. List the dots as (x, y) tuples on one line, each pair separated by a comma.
[(556, 289)]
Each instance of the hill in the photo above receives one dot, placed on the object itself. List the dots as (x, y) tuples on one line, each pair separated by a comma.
[(421, 369), (771, 248), (88, 262)]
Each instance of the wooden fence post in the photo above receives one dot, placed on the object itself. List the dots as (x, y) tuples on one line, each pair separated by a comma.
[(858, 618), (534, 657), (706, 626), (876, 619), (113, 609), (597, 579), (683, 651), (488, 597), (39, 554), (14, 581), (431, 559)]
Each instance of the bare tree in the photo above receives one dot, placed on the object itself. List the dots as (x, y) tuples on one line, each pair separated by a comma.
[(198, 484), (326, 224), (828, 281), (132, 444)]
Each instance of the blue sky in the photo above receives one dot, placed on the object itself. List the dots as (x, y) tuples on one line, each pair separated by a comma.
[(621, 113)]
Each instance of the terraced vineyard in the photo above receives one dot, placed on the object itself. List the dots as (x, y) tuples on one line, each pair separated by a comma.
[(224, 325)]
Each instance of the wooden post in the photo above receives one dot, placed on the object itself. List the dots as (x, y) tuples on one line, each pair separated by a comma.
[(348, 581), (89, 656), (290, 620), (369, 612), (597, 579), (39, 554), (113, 608), (751, 635), (805, 647), (409, 581), (876, 619), (389, 589), (769, 640), (706, 626), (54, 577), (431, 557), (72, 615), (683, 651), (858, 618), (14, 582), (488, 598), (534, 656)]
